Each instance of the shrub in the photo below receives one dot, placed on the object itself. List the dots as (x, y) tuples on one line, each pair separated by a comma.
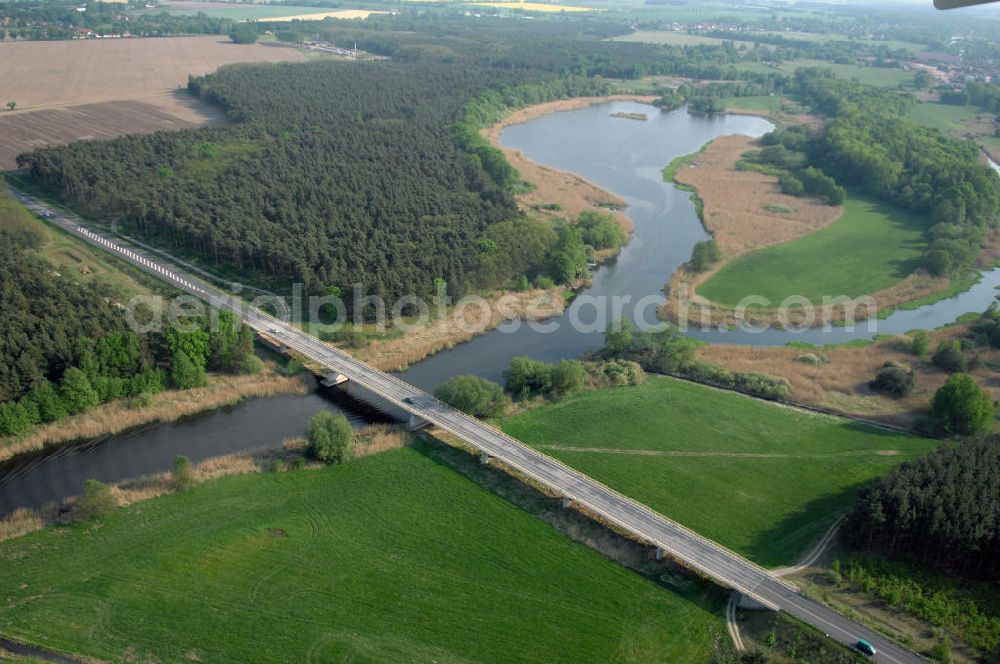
[(961, 407), (938, 262), (568, 376), (13, 419), (331, 438), (473, 395), (526, 377), (544, 282), (941, 651), (791, 185), (76, 391), (97, 501), (893, 379), (704, 255), (600, 230), (920, 344), (244, 34), (949, 356), (185, 373), (180, 474)]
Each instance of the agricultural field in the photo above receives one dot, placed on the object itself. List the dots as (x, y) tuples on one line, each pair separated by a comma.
[(20, 132), (73, 90), (943, 117), (764, 480), (668, 37), (876, 245), (531, 6), (879, 76), (254, 12), (761, 104), (389, 558), (960, 121)]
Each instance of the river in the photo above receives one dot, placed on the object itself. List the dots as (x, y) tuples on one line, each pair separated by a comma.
[(621, 155), (625, 157)]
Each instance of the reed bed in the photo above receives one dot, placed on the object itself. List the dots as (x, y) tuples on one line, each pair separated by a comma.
[(459, 326)]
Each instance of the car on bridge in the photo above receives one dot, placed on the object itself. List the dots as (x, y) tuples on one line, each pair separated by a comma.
[(865, 648)]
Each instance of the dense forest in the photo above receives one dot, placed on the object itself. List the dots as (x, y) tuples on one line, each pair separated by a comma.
[(339, 173), (67, 347), (941, 511), (374, 173)]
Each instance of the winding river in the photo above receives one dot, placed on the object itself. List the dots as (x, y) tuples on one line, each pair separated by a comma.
[(623, 156)]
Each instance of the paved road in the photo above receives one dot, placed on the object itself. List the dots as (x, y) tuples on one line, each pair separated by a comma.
[(706, 557)]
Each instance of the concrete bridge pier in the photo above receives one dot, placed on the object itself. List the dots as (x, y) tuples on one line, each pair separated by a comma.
[(484, 458), (333, 378), (416, 423), (749, 603), (565, 502), (661, 553)]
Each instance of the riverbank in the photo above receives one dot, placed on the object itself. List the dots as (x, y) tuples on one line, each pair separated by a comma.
[(117, 416), (461, 325), (554, 193), (370, 440), (746, 211), (836, 378)]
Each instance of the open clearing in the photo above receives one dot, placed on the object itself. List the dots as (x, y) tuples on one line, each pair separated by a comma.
[(532, 6), (764, 480), (390, 558), (77, 89), (880, 76), (876, 246)]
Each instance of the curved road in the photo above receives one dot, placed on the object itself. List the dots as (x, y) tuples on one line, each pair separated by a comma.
[(700, 554)]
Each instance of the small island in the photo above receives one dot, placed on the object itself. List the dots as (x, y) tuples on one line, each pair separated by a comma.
[(630, 116)]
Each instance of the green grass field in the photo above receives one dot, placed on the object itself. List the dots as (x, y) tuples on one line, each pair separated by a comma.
[(874, 245), (763, 480), (669, 37), (764, 103), (879, 76), (945, 117), (391, 558)]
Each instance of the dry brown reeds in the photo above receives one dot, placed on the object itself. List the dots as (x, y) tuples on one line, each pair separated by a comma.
[(460, 325), (840, 382)]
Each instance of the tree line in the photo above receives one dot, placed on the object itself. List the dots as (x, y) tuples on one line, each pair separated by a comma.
[(867, 146), (941, 511), (68, 344)]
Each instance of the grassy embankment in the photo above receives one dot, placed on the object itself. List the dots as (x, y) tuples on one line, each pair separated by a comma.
[(394, 557), (764, 480), (876, 246)]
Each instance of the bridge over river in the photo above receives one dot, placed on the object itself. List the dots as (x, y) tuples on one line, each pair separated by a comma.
[(701, 555)]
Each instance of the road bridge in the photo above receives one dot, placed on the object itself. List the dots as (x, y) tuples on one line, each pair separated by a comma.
[(698, 553)]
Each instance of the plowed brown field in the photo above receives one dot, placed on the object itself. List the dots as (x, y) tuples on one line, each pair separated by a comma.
[(71, 90)]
